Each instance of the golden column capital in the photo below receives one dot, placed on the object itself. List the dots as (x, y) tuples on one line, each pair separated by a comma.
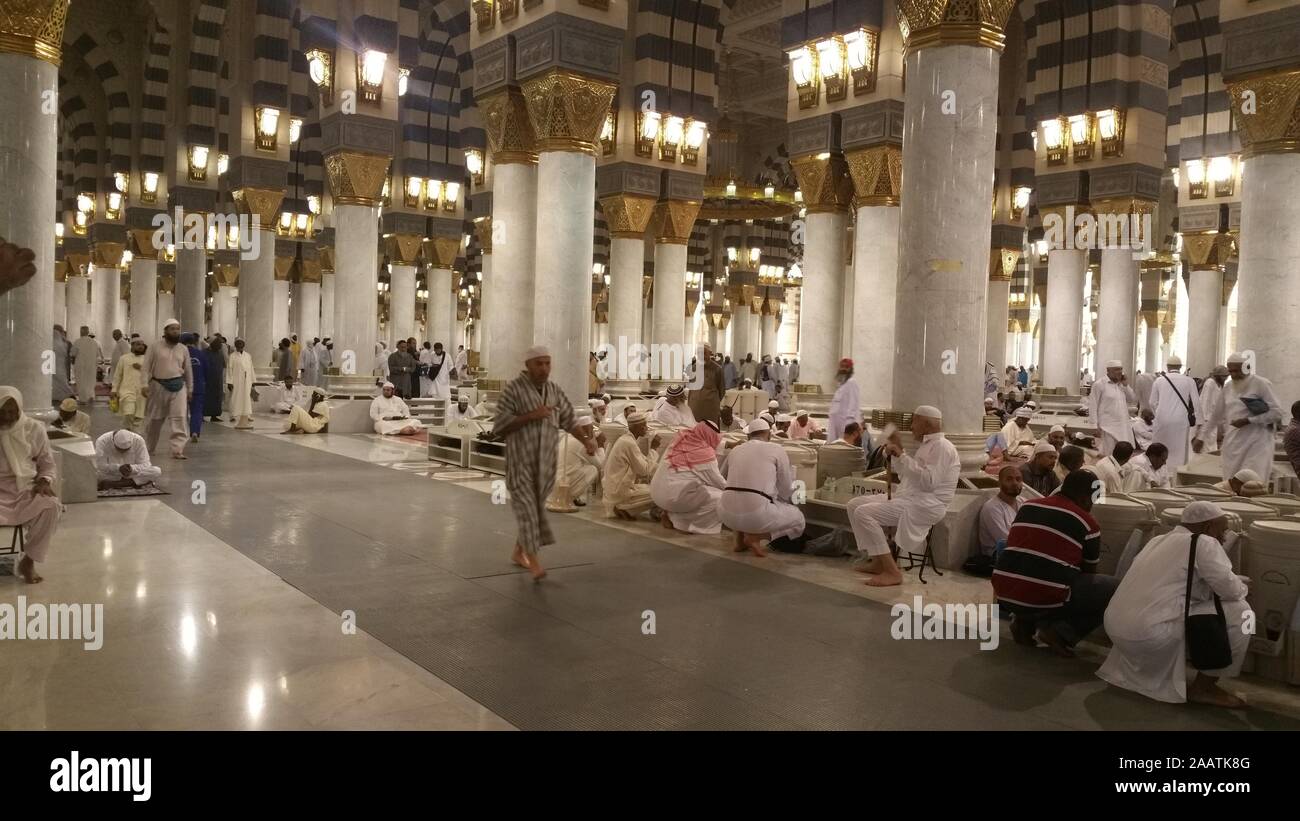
[(509, 131), (1267, 110), (483, 231), (226, 274), (309, 271), (357, 178), (326, 254), (672, 221), (403, 249), (142, 245), (283, 268), (877, 174), (33, 28), (926, 23), (262, 204), (628, 215), (60, 270), (107, 254), (441, 252), (166, 283), (567, 109), (1207, 251), (1002, 264), (824, 181)]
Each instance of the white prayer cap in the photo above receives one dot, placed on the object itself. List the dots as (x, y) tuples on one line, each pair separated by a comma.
[(1247, 475), (1031, 403), (1113, 363), (1057, 429), (171, 322), (598, 403), (771, 420), (758, 426), (536, 352), (1044, 447), (634, 417), (773, 405), (388, 385), (929, 411), (988, 400), (584, 420), (1237, 359), (781, 417), (591, 403), (1023, 412), (800, 412), (1201, 511), (676, 390), (122, 439), (1174, 362)]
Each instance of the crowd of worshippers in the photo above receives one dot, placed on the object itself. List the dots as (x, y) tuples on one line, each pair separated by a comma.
[(417, 372)]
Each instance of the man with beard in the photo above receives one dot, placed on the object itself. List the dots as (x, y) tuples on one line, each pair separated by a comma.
[(169, 381)]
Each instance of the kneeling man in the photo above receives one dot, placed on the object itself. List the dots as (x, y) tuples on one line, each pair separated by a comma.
[(757, 503), (122, 460)]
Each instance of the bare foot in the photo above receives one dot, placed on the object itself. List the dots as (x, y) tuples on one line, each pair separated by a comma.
[(535, 567), (871, 565), (885, 580), (26, 570), (1055, 643), (664, 520), (179, 456), (754, 543), (1212, 694), (519, 557), (740, 547)]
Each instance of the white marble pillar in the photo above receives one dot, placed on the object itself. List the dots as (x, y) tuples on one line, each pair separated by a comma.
[(1066, 270), (767, 325), (847, 309), (741, 322), (105, 292), (401, 306), (670, 301), (1025, 355), (78, 306), (1205, 295), (258, 300), (356, 282), (441, 309), (59, 312), (191, 276), (945, 231), (327, 304), (224, 318), (626, 262), (997, 348), (28, 161), (875, 275), (566, 213), (280, 311), (144, 299), (166, 310), (514, 299), (1117, 312), (823, 291), (306, 308), (1154, 342)]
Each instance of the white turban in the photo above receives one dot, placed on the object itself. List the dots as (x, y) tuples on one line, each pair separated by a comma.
[(1247, 475), (171, 322), (1113, 363), (122, 439), (1044, 447), (388, 385), (1237, 358), (536, 352), (1201, 511), (584, 420), (781, 417), (1023, 413), (988, 400), (773, 405), (929, 411), (758, 426), (634, 417), (1057, 429)]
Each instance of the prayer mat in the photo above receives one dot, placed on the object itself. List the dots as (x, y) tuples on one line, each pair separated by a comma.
[(144, 490)]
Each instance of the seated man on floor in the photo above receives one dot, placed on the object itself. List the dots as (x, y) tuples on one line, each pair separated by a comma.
[(853, 438), (311, 419), (675, 412), (1056, 437), (460, 409), (1068, 460), (628, 469), (757, 503), (1150, 469), (1113, 470), (294, 393), (1145, 618), (1244, 482), (122, 460), (999, 511), (599, 410), (1039, 472), (730, 424), (927, 485), (782, 427), (1017, 439), (391, 415), (581, 470), (1047, 575), (805, 427), (71, 419), (688, 483)]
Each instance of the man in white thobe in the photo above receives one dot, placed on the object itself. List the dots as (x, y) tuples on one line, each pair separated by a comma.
[(292, 393), (122, 460), (846, 404), (675, 412), (1142, 384), (758, 502), (1209, 398), (688, 484), (1113, 469), (462, 363), (461, 409), (309, 364), (85, 359), (120, 346), (927, 485), (625, 489), (1247, 409), (576, 467), (1172, 396), (391, 415), (1108, 403), (439, 373), (324, 361), (1145, 617), (128, 386), (1144, 430), (1016, 437), (1150, 469), (239, 378)]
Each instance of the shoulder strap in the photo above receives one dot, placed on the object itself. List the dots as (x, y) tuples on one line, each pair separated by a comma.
[(1191, 567), (1186, 403)]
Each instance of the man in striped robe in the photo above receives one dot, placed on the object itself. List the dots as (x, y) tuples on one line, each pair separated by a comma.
[(527, 412)]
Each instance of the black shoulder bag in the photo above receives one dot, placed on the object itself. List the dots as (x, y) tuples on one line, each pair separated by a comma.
[(1191, 414), (1206, 635)]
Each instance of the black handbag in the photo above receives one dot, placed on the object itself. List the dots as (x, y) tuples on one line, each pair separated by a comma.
[(1191, 414), (1206, 635)]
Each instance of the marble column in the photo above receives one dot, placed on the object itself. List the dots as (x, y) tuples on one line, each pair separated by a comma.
[(258, 299), (166, 310), (105, 291), (191, 273), (78, 298), (401, 306), (306, 308), (823, 284), (144, 299), (628, 216), (997, 346), (1066, 271), (949, 130), (280, 303), (513, 295), (327, 304), (1117, 312), (440, 307), (1153, 362), (671, 225), (356, 281), (1204, 295), (767, 324), (31, 37), (59, 311), (224, 318), (742, 320), (875, 270)]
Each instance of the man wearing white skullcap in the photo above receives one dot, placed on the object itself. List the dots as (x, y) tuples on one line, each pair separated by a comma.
[(169, 381), (758, 502), (805, 427), (1016, 439), (122, 460), (1039, 472), (1175, 402), (675, 412), (1248, 410), (1244, 482), (576, 467), (629, 467), (391, 415), (927, 485), (1108, 402), (531, 411), (1145, 618)]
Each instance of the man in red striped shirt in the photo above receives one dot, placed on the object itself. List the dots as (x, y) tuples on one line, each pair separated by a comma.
[(1046, 577)]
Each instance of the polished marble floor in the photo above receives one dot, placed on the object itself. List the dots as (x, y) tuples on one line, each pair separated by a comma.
[(224, 609)]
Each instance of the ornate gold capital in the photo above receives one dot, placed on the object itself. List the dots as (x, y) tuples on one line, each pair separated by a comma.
[(927, 23), (509, 131), (326, 253), (628, 215), (226, 274), (142, 243), (60, 270), (824, 181), (166, 283), (1002, 264), (33, 28), (403, 249), (441, 252), (1272, 125), (357, 178), (1134, 215), (567, 110), (260, 203), (1206, 251), (672, 221), (107, 254), (76, 263), (309, 271), (283, 267), (483, 231), (877, 174)]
